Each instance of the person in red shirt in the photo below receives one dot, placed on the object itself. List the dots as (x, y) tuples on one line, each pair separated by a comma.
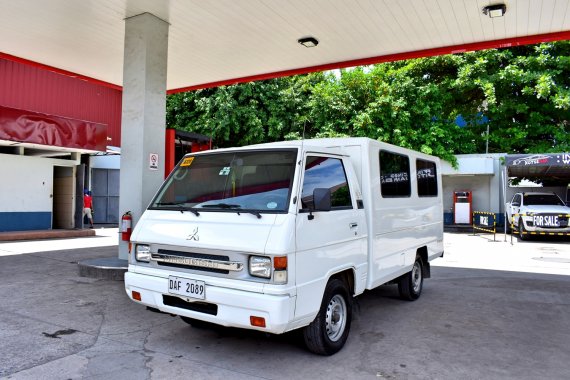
[(88, 206)]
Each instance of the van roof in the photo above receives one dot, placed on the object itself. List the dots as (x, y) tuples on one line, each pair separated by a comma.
[(326, 143)]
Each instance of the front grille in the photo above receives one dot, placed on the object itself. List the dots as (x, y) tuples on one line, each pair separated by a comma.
[(195, 256), (200, 307)]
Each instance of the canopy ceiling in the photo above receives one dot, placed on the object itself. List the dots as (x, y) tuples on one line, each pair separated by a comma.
[(224, 41)]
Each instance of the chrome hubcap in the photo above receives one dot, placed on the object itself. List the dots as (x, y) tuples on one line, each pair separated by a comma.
[(336, 317), (416, 277)]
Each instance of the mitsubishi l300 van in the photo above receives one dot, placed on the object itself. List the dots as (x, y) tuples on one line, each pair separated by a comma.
[(282, 236)]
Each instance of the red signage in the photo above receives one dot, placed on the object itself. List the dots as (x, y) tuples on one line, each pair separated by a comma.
[(37, 128)]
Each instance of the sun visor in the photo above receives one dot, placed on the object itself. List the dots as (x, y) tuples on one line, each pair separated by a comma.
[(38, 128)]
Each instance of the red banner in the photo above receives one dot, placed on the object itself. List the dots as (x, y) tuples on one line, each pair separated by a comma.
[(37, 128)]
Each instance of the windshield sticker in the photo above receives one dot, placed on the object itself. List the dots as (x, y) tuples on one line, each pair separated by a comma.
[(271, 205), (187, 161), (225, 171)]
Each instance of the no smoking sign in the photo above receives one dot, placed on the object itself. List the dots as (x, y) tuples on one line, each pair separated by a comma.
[(153, 161)]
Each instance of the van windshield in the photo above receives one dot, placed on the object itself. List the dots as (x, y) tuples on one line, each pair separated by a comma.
[(258, 181)]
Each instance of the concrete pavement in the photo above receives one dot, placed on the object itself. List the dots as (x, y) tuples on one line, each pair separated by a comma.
[(502, 322)]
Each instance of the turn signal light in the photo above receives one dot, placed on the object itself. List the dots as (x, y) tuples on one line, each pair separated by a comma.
[(280, 262), (137, 296), (257, 321)]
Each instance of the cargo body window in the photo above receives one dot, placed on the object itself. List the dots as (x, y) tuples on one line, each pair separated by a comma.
[(325, 172), (427, 178), (394, 175)]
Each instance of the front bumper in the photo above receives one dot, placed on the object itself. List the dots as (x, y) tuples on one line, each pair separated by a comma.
[(234, 307), (529, 222)]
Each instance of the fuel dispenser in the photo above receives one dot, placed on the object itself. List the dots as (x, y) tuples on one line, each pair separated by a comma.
[(462, 201)]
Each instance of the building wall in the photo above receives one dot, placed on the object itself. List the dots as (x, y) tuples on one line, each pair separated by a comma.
[(479, 185), (35, 89), (105, 162), (482, 174), (26, 193)]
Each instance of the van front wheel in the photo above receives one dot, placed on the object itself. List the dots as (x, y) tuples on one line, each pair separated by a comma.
[(522, 230), (411, 284), (327, 334)]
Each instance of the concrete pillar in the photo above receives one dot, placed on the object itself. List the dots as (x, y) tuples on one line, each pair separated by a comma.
[(144, 114)]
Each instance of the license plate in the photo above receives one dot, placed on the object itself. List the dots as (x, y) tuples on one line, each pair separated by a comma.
[(546, 221), (186, 287)]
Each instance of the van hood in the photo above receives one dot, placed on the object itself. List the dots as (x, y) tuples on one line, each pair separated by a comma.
[(552, 209), (209, 230)]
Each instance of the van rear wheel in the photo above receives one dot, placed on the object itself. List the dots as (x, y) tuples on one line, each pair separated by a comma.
[(328, 333), (411, 284)]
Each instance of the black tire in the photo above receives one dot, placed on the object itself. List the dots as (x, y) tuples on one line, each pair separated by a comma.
[(411, 284), (522, 230), (328, 333), (196, 322)]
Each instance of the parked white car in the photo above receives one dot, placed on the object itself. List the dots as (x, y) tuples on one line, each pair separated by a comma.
[(538, 213)]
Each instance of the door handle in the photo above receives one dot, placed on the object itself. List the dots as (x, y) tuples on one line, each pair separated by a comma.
[(352, 225)]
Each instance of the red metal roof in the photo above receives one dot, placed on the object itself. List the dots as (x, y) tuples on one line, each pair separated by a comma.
[(38, 90)]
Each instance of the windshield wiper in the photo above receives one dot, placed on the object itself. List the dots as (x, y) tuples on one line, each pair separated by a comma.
[(227, 206), (180, 205), (252, 212)]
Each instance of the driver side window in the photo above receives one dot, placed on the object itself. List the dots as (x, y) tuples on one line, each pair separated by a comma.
[(325, 172)]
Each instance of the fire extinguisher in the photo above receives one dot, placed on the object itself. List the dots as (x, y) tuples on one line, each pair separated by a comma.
[(126, 226)]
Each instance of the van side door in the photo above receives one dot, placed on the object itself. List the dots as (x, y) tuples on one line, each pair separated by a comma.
[(328, 242)]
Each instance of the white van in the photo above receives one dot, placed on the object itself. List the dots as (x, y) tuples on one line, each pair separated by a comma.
[(281, 236)]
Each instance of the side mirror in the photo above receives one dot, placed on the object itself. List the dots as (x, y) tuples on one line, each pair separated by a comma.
[(321, 201)]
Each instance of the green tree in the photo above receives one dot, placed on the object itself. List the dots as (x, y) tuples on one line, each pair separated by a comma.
[(522, 94), (525, 94), (248, 113)]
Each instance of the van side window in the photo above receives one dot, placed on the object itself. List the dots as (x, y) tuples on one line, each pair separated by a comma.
[(427, 178), (394, 174), (325, 172)]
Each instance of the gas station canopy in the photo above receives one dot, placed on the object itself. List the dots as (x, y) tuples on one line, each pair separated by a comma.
[(226, 41)]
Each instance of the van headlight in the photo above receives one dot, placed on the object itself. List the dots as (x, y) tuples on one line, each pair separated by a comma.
[(260, 266), (142, 253)]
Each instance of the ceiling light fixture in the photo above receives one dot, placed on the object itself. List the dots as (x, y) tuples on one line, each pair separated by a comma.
[(308, 42), (497, 10)]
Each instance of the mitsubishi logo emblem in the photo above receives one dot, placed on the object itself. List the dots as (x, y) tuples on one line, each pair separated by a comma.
[(194, 235)]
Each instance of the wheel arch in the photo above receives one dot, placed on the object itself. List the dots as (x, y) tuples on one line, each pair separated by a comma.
[(422, 252), (346, 276)]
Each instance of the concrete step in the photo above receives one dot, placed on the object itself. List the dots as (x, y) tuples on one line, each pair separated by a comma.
[(107, 268), (44, 234)]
